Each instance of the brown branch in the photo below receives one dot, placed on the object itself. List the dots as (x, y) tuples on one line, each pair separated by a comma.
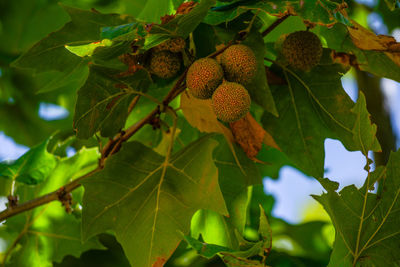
[(274, 25), (112, 147), (55, 195)]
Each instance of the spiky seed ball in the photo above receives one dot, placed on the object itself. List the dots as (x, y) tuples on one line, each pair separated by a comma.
[(203, 77), (165, 64), (230, 102), (302, 50), (174, 45), (239, 64)]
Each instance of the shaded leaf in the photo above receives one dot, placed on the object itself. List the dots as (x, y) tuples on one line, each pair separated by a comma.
[(32, 167), (50, 54), (147, 199), (313, 107), (364, 132), (102, 104), (366, 224), (236, 172), (320, 12)]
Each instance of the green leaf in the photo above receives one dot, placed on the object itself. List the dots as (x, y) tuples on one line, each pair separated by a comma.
[(258, 87), (364, 134), (25, 22), (47, 233), (313, 107), (323, 12), (235, 173), (88, 49), (148, 199), (181, 25), (214, 229), (204, 249), (50, 53), (239, 256), (102, 104), (32, 167), (366, 224)]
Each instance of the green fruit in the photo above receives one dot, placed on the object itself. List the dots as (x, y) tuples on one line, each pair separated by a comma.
[(203, 77), (231, 102), (165, 64), (239, 64), (302, 50)]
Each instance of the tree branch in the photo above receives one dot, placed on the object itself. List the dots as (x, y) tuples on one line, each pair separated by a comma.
[(274, 25), (112, 147)]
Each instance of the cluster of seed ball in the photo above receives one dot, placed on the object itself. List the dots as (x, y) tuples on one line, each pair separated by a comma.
[(166, 59), (224, 82)]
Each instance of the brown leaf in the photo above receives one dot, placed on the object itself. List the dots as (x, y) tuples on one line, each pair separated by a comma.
[(249, 134), (367, 40), (345, 59), (185, 8), (199, 114), (160, 262)]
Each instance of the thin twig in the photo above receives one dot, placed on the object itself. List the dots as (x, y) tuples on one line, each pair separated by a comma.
[(274, 25)]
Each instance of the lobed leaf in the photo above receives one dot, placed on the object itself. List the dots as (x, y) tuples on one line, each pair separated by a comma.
[(32, 167), (312, 107), (148, 199), (46, 234), (104, 99), (366, 224), (50, 53)]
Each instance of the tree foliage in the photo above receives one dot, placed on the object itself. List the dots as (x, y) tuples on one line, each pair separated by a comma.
[(161, 176)]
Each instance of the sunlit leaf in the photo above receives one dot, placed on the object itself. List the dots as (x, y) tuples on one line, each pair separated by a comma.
[(88, 49), (48, 233), (32, 167)]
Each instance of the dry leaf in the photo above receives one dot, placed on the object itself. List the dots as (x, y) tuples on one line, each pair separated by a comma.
[(367, 40), (199, 114), (345, 59), (249, 134)]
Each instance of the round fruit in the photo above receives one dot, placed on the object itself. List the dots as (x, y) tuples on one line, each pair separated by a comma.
[(302, 50), (174, 45), (203, 77), (230, 102), (165, 64), (239, 64)]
